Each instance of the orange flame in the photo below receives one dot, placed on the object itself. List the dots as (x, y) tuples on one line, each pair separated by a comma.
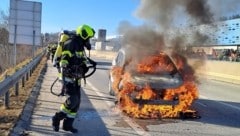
[(154, 64), (186, 93)]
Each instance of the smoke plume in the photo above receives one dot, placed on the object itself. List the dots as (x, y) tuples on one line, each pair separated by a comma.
[(160, 16), (221, 8), (165, 16), (141, 40), (199, 10), (163, 13)]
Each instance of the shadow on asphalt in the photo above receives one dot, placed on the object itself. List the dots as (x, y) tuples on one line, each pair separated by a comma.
[(89, 120), (99, 68), (218, 112), (44, 130), (104, 63)]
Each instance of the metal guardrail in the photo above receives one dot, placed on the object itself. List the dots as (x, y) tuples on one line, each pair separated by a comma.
[(14, 79)]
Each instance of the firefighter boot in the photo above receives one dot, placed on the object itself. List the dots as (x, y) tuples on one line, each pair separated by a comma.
[(67, 125), (56, 120)]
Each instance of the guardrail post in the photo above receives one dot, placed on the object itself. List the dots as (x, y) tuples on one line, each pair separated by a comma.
[(34, 67), (6, 97), (27, 76), (6, 100), (23, 81), (30, 73), (16, 88)]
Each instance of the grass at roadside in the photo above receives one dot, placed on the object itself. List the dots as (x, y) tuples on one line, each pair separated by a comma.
[(20, 65), (11, 71)]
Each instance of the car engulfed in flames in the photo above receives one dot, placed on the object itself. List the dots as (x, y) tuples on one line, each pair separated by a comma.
[(154, 86)]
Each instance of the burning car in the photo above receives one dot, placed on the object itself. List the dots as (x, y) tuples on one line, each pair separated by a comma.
[(153, 86)]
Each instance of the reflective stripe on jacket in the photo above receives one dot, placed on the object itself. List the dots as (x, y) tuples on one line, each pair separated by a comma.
[(69, 113)]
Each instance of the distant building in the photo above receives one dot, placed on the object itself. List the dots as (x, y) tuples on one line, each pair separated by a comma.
[(102, 35), (115, 42), (222, 33), (102, 42)]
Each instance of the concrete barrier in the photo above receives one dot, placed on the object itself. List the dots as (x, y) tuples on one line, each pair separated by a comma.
[(103, 54), (219, 70)]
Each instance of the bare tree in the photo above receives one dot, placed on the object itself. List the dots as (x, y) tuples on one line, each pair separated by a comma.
[(4, 47)]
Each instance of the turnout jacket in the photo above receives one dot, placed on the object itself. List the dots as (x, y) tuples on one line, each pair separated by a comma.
[(70, 50)]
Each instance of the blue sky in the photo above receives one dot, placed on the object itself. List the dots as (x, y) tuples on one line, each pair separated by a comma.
[(105, 14), (100, 14)]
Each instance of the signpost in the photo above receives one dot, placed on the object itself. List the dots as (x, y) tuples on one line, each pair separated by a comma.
[(24, 24)]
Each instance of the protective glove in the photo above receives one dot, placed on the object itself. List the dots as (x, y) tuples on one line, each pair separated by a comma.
[(88, 46)]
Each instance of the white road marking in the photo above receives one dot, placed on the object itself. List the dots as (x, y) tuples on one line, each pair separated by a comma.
[(223, 103), (204, 97), (138, 129), (232, 106), (204, 105)]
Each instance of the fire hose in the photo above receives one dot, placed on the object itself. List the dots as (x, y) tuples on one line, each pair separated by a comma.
[(77, 76)]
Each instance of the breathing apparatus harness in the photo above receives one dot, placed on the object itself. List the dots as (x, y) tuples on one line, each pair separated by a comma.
[(76, 73)]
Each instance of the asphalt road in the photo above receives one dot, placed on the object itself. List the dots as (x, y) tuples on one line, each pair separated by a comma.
[(218, 106)]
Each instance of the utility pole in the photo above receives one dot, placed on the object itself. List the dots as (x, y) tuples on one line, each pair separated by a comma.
[(33, 48), (15, 46)]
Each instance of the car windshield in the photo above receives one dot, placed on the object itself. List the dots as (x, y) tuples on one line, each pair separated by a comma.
[(156, 64)]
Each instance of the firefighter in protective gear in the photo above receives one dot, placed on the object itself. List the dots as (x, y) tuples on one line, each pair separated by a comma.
[(70, 52), (52, 49)]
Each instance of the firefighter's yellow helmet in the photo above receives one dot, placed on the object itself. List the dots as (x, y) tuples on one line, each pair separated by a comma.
[(85, 31)]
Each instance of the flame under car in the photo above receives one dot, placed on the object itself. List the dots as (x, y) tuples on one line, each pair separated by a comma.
[(152, 87)]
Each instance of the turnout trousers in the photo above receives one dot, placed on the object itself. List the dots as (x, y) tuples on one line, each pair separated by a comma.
[(69, 108), (73, 98)]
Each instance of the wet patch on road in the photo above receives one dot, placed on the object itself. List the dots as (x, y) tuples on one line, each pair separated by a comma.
[(121, 123), (146, 122)]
